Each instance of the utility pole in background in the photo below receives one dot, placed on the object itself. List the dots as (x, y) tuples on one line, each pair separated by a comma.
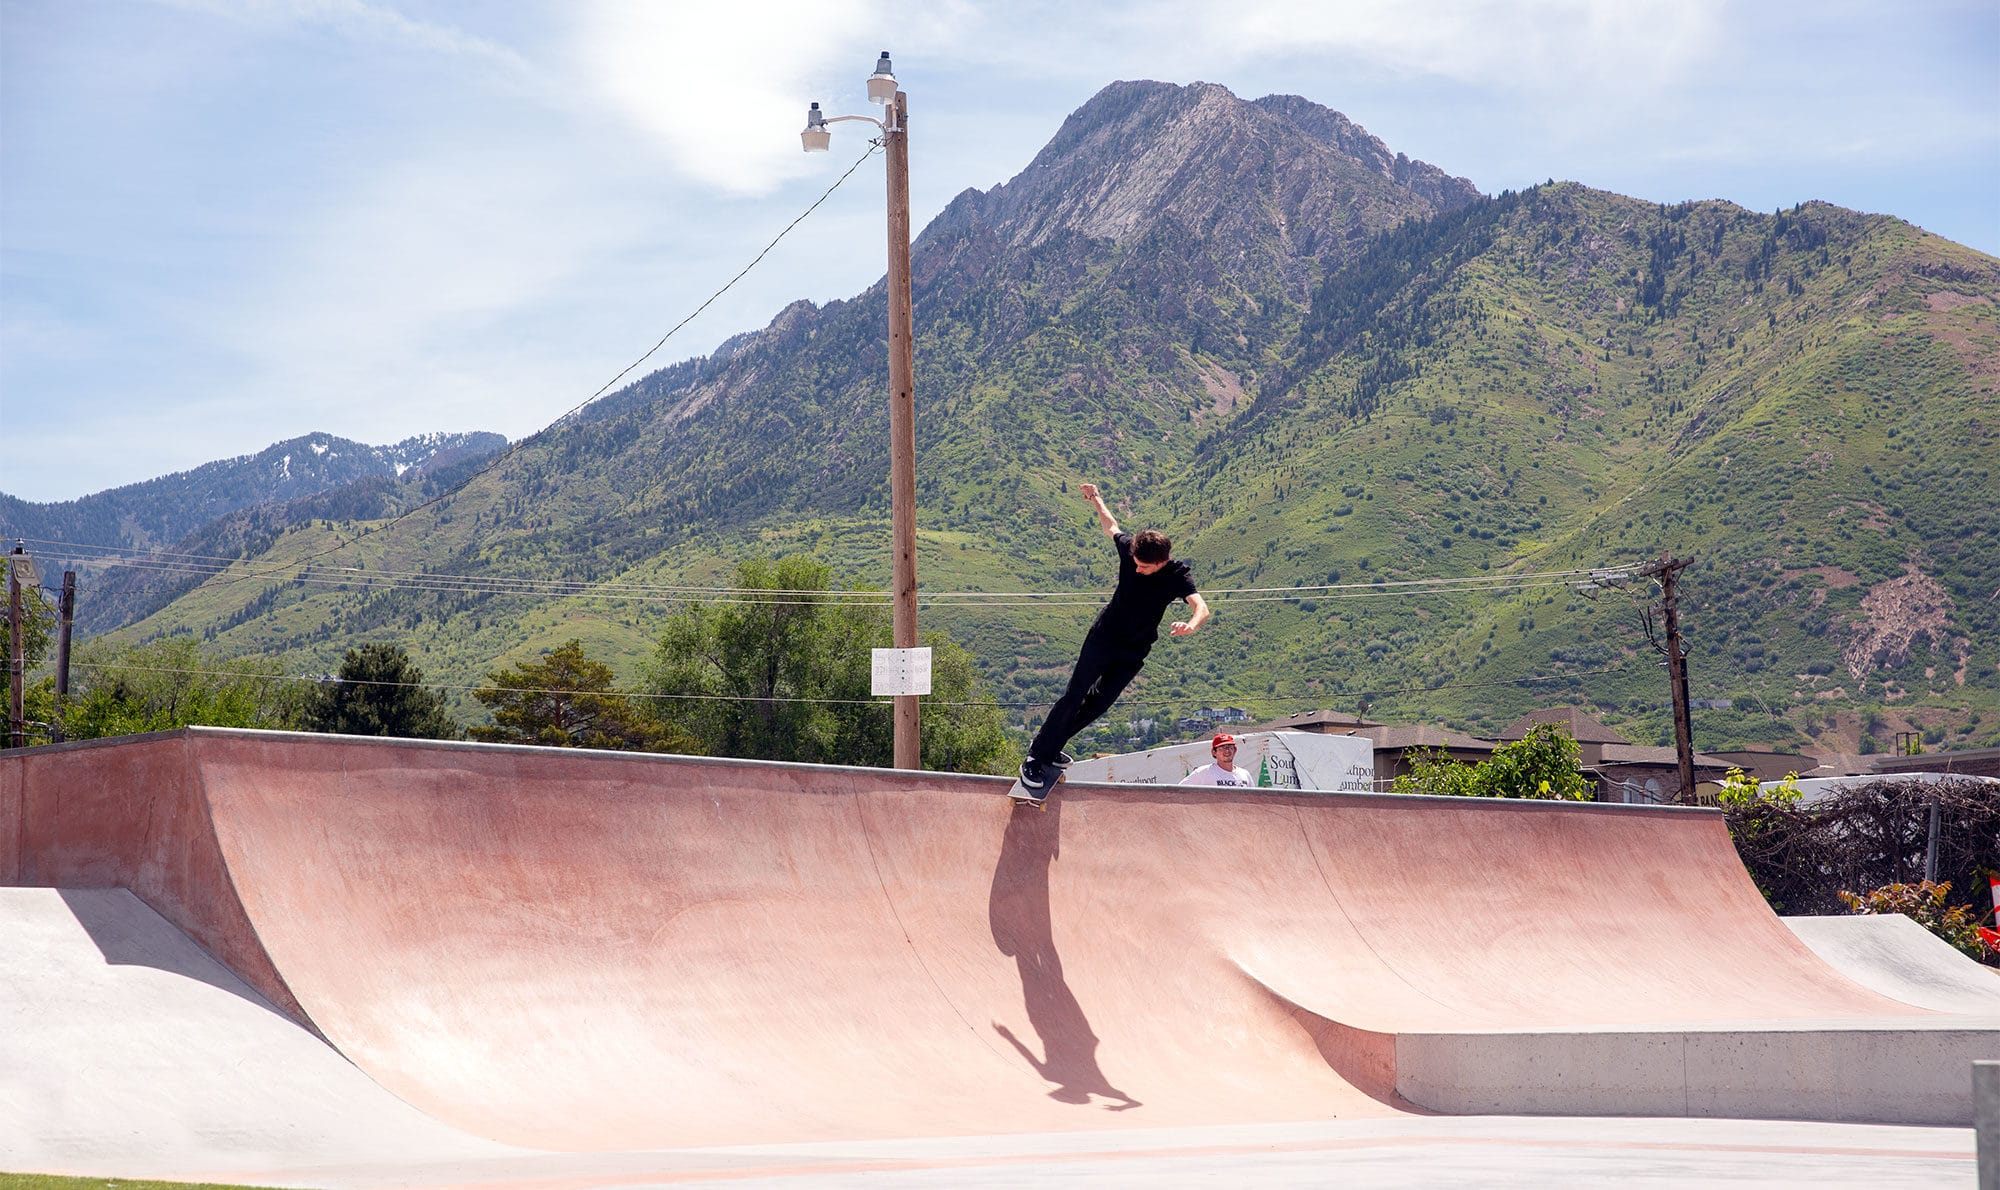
[(17, 727), (883, 91), (902, 417), (68, 613), (1666, 568)]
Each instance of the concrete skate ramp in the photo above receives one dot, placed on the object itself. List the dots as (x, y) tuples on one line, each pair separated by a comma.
[(593, 950), (129, 1049), (1902, 960)]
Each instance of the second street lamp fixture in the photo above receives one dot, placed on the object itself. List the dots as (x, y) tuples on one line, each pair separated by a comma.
[(816, 138)]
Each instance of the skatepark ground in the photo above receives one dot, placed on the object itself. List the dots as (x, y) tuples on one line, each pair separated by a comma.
[(262, 958)]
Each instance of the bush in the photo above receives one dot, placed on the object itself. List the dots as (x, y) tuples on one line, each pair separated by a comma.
[(172, 683), (1803, 856), (1545, 764)]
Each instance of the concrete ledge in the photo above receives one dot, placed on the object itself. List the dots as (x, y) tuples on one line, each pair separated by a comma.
[(1868, 1072)]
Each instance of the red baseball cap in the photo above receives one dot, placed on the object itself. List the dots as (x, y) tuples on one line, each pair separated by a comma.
[(1220, 739)]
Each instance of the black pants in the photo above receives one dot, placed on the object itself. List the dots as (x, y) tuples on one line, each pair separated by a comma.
[(1103, 669)]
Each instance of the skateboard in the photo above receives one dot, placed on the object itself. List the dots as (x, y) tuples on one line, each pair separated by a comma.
[(1024, 796), (1028, 797)]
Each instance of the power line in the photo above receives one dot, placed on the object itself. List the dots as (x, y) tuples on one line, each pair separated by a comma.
[(640, 694), (206, 565), (450, 585), (1139, 694)]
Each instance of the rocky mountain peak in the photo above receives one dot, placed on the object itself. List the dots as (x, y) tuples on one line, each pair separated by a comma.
[(1442, 190), (1260, 198), (1143, 152)]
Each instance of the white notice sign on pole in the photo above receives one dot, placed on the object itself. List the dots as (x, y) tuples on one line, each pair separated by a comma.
[(901, 671)]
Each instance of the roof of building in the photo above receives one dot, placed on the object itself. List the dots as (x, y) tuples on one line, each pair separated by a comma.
[(1303, 720), (1815, 788), (1584, 727), (1422, 735), (1652, 755), (1957, 760)]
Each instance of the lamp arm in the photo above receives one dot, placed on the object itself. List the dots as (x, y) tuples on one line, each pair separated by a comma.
[(868, 119)]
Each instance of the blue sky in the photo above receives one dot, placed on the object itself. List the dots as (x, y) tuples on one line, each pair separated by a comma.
[(228, 222)]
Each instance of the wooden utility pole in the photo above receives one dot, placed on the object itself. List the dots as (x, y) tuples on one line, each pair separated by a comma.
[(1667, 570), (902, 420), (68, 612), (17, 715)]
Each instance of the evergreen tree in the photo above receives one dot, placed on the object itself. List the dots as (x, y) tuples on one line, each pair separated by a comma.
[(380, 691), (568, 701)]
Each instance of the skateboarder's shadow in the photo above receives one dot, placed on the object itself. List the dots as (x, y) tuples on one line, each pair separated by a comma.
[(1018, 911)]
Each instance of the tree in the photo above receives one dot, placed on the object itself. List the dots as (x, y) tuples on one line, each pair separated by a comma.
[(172, 683), (380, 691), (1546, 764), (787, 677), (567, 700)]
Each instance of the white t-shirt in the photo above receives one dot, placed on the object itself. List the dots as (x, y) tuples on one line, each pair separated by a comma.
[(1217, 774)]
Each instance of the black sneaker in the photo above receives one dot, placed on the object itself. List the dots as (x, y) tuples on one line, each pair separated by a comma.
[(1064, 760), (1037, 776)]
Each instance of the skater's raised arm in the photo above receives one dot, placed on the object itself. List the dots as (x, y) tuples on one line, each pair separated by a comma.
[(1105, 520), (1194, 622)]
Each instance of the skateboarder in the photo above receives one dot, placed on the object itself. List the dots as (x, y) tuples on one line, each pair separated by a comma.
[(1116, 646), (1224, 770)]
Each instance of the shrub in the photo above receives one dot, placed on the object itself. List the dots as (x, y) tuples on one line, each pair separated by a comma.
[(1803, 855), (1545, 764)]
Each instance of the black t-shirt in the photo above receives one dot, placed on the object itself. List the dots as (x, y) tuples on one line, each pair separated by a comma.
[(1133, 615)]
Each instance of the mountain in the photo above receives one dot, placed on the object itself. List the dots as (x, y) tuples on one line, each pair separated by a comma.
[(1314, 362), (159, 512), (1802, 401)]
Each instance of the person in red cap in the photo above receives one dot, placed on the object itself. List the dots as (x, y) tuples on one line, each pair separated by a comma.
[(1224, 770)]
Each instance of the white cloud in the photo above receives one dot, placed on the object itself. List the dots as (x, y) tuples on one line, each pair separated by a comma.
[(402, 290), (723, 88), (1512, 45), (363, 21)]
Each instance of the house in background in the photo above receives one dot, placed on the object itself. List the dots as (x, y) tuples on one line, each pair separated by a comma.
[(1970, 762), (1624, 771)]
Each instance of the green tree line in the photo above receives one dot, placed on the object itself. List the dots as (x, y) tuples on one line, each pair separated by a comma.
[(783, 676)]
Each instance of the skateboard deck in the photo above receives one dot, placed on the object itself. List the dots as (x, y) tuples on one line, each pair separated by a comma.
[(1022, 795)]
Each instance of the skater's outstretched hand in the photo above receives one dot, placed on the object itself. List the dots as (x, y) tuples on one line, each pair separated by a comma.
[(1105, 520)]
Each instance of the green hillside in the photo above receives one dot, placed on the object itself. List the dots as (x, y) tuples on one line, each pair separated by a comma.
[(1801, 401), (1313, 367)]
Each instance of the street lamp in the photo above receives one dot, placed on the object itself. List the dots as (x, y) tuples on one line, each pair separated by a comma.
[(816, 138)]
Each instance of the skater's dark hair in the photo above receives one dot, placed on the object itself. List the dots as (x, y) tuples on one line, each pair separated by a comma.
[(1151, 545)]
